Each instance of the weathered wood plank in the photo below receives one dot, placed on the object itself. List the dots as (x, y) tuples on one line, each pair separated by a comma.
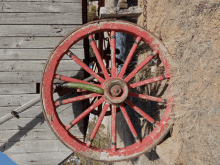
[(32, 112), (40, 7), (17, 89), (16, 100), (41, 18), (42, 158), (7, 89), (63, 1), (36, 30), (30, 77), (24, 135), (34, 146), (35, 66), (63, 111), (33, 134), (33, 123), (30, 123), (16, 77), (33, 42), (116, 12), (33, 54), (24, 124)]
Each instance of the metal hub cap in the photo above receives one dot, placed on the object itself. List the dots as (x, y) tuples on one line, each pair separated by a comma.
[(115, 90)]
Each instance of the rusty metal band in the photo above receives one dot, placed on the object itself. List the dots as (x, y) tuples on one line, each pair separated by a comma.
[(90, 140), (71, 125), (165, 101), (154, 122), (152, 54), (92, 39), (163, 77), (60, 76), (114, 143), (136, 42), (70, 54), (60, 102), (136, 138), (113, 36)]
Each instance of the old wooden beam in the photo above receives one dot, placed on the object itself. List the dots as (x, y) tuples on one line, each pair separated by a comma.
[(116, 12)]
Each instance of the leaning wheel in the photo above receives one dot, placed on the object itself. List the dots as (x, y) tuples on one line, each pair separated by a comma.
[(115, 90)]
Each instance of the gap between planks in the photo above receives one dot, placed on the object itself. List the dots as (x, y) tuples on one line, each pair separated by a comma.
[(39, 7), (33, 77), (41, 18), (33, 54), (36, 30), (33, 42)]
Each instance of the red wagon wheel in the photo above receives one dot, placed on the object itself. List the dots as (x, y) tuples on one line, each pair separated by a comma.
[(117, 91)]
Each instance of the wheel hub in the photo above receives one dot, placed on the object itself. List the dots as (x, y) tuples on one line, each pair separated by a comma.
[(115, 90)]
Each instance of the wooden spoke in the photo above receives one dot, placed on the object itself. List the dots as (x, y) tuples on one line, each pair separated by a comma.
[(114, 133), (75, 99), (113, 55), (70, 79), (148, 81), (84, 114), (141, 112), (85, 67), (128, 120), (147, 97), (98, 123), (140, 66), (98, 56), (130, 55)]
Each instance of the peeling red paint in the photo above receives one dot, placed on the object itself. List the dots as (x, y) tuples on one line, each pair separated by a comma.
[(113, 154)]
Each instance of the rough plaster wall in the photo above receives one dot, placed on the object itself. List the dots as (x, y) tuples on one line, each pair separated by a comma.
[(190, 29)]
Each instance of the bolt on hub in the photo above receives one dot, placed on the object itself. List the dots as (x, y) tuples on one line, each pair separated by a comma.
[(115, 90)]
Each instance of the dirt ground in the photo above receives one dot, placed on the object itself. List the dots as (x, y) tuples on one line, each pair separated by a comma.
[(190, 29)]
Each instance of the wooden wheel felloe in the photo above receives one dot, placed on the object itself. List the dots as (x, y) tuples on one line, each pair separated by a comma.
[(117, 87)]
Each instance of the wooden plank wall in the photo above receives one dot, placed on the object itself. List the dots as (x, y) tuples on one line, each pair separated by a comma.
[(29, 30)]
